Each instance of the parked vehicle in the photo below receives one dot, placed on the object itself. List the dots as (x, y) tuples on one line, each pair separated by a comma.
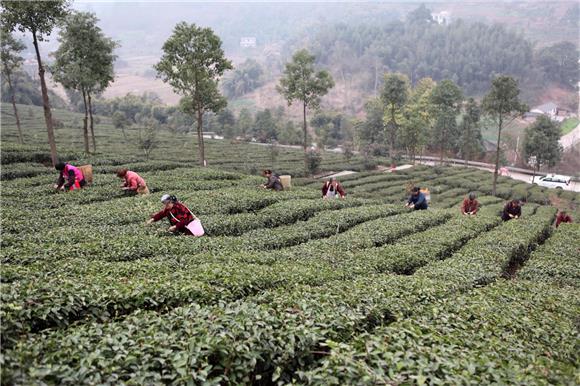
[(554, 181)]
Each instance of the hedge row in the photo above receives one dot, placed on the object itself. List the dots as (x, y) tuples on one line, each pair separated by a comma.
[(556, 262)]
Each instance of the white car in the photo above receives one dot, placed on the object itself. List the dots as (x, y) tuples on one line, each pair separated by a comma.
[(554, 181)]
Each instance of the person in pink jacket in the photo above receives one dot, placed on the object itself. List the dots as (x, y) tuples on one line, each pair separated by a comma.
[(70, 177), (134, 183)]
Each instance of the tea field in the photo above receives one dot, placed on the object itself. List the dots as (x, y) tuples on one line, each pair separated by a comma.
[(285, 288)]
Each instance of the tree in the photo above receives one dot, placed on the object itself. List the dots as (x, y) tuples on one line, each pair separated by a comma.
[(39, 18), (11, 61), (541, 143), (148, 136), (503, 106), (394, 95), (192, 63), (417, 117), (371, 130), (301, 82), (84, 62), (226, 121), (120, 121), (471, 138), (446, 99), (246, 78), (245, 122), (560, 63)]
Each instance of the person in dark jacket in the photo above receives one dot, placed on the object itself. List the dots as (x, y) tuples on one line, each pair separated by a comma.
[(417, 200), (562, 217), (332, 189), (470, 205), (273, 182), (512, 209), (70, 177), (179, 215)]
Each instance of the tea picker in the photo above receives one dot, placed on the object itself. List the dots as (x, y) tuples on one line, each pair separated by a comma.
[(511, 210), (332, 189), (470, 205), (417, 200), (70, 177), (181, 219), (273, 181), (134, 183)]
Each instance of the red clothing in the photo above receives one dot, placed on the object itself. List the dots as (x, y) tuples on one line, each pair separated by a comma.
[(469, 206), (327, 185), (179, 215), (133, 181), (562, 218)]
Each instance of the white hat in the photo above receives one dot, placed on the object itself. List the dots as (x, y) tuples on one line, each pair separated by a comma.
[(164, 198)]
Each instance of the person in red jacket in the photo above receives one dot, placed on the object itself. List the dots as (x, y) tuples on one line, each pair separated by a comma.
[(562, 217), (332, 189), (470, 205), (179, 215), (134, 183)]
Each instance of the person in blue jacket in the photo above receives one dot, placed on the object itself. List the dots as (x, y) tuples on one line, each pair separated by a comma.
[(417, 200)]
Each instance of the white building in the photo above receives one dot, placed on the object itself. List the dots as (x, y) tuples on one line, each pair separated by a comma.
[(248, 42), (443, 17)]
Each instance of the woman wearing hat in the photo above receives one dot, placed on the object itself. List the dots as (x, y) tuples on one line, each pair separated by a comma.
[(179, 215)]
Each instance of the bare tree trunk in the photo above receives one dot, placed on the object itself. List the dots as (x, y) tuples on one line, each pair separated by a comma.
[(45, 103), (200, 137), (85, 123), (534, 175), (91, 121), (13, 98), (497, 156), (305, 144)]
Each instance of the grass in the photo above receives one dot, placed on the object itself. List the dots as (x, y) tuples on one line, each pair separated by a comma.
[(568, 125)]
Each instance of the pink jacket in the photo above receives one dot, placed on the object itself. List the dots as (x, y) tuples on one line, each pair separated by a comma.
[(78, 174), (134, 180)]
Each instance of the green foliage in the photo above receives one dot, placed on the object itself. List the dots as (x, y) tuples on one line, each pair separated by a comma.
[(301, 82), (502, 104), (37, 17), (313, 160), (559, 63), (556, 262), (244, 79), (471, 140), (193, 61), (542, 142), (445, 99), (394, 95)]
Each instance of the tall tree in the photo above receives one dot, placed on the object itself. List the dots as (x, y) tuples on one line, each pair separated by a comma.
[(301, 82), (470, 130), (394, 95), (192, 63), (371, 130), (39, 18), (446, 100), (417, 117), (11, 61), (73, 59), (542, 143), (502, 104)]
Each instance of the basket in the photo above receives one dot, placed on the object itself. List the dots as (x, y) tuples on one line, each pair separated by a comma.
[(87, 171), (286, 181)]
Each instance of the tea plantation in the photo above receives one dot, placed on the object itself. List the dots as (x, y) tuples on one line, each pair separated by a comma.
[(285, 288)]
